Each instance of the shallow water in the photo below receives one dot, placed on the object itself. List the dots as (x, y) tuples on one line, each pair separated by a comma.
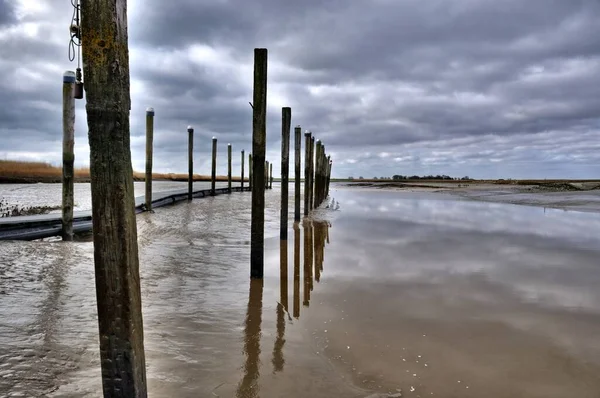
[(33, 195), (396, 292)]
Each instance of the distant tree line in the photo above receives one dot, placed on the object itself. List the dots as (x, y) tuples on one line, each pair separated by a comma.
[(398, 177), (428, 177)]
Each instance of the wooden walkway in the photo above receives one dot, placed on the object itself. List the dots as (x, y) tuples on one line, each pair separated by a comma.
[(48, 225)]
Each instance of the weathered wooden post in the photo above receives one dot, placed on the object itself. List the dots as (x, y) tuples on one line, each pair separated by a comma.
[(149, 155), (322, 174), (116, 262), (259, 143), (330, 163), (271, 176), (250, 182), (242, 170), (229, 167), (266, 175), (296, 313), (68, 160), (297, 144), (213, 174), (286, 124), (190, 130), (317, 184), (306, 172), (311, 174)]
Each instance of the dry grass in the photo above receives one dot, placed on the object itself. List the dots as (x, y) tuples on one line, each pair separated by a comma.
[(14, 170)]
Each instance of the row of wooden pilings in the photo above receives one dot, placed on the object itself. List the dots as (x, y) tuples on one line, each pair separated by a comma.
[(116, 258), (69, 157), (317, 167)]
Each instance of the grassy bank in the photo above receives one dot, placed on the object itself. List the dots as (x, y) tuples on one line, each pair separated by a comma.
[(13, 171)]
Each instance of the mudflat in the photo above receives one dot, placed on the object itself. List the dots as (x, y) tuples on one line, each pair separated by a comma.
[(412, 293)]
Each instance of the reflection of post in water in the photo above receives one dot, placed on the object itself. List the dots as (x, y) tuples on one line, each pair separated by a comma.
[(282, 307), (321, 234), (308, 261), (296, 270), (318, 238), (249, 386)]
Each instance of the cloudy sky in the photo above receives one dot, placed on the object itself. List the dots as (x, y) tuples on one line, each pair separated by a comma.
[(485, 88)]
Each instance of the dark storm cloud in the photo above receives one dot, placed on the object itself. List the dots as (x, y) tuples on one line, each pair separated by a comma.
[(386, 84), (7, 12)]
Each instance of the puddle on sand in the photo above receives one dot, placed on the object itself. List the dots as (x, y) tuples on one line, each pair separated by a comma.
[(458, 299), (461, 299)]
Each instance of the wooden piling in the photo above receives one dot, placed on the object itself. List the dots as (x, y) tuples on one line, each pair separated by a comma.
[(242, 169), (190, 130), (311, 174), (330, 165), (259, 143), (317, 185), (68, 157), (213, 173), (307, 138), (250, 181), (116, 261), (266, 175), (286, 124), (322, 175), (297, 145), (270, 175), (229, 168), (149, 156)]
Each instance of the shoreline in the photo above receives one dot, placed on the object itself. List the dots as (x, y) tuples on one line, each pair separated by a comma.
[(565, 195), (80, 180)]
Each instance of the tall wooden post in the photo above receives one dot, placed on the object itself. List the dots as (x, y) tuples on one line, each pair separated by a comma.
[(330, 163), (286, 124), (266, 182), (229, 167), (259, 143), (149, 155), (116, 262), (267, 175), (250, 181), (68, 160), (317, 174), (242, 170), (190, 130), (306, 172), (322, 174), (311, 174), (213, 173), (297, 144), (270, 175)]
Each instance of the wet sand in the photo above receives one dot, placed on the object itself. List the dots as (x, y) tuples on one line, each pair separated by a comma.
[(393, 291), (579, 196)]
